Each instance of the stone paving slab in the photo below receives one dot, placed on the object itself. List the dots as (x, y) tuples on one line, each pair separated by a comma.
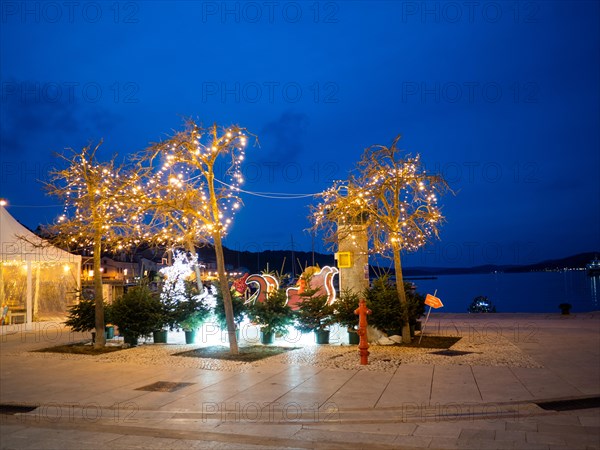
[(316, 391), (454, 384), (418, 377), (363, 390), (500, 384), (281, 406)]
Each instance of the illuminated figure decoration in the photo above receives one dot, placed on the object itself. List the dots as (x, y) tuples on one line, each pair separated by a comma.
[(240, 284), (266, 284), (321, 280)]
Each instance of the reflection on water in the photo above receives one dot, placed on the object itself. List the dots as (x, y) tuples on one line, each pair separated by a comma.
[(594, 280), (539, 292)]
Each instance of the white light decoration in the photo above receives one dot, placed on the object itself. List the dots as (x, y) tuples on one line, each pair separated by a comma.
[(176, 275), (175, 278)]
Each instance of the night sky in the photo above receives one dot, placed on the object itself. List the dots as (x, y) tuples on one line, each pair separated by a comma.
[(500, 97)]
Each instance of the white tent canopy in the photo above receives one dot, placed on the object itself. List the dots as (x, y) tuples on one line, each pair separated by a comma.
[(35, 276)]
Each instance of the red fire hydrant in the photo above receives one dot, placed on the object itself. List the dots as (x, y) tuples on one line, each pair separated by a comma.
[(363, 346)]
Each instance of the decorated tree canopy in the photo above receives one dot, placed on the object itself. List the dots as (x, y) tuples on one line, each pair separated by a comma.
[(190, 201), (392, 195), (99, 200), (393, 199)]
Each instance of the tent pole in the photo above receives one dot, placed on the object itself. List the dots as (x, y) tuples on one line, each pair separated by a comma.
[(29, 305), (2, 295)]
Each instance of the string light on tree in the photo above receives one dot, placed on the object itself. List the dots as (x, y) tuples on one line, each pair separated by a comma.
[(188, 206), (393, 197), (100, 211)]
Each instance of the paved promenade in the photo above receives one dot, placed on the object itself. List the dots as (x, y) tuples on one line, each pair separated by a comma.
[(84, 404)]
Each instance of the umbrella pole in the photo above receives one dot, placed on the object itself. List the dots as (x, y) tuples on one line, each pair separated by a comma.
[(426, 319)]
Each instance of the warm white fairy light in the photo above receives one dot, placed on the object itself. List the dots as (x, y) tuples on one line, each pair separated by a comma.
[(97, 199), (189, 206), (395, 199)]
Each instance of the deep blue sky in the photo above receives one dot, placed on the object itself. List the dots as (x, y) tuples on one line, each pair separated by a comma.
[(501, 97)]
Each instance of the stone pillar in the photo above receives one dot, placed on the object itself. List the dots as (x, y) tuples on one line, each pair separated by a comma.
[(353, 257)]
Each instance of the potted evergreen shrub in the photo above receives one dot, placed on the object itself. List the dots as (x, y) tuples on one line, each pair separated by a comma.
[(314, 314), (164, 322), (190, 326), (344, 308), (81, 317), (387, 313), (171, 294), (190, 314), (239, 309), (137, 313), (272, 316), (386, 310)]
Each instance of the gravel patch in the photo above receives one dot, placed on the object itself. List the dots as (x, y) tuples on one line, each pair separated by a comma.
[(496, 352), (388, 358)]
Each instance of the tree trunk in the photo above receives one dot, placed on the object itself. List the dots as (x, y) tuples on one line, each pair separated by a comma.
[(233, 345), (100, 340), (227, 303), (36, 296), (406, 339)]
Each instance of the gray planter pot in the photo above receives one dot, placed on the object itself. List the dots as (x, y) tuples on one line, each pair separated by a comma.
[(353, 338), (160, 336), (322, 337), (190, 336), (267, 338)]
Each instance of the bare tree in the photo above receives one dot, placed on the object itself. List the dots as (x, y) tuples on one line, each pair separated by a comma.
[(190, 203), (393, 197), (99, 212)]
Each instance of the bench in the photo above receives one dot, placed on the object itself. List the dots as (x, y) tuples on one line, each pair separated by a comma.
[(17, 317), (13, 316)]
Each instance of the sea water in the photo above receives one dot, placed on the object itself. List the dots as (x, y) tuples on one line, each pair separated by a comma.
[(533, 292)]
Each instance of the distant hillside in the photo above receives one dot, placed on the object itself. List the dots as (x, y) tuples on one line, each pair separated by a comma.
[(278, 259), (285, 261), (292, 262), (570, 262)]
